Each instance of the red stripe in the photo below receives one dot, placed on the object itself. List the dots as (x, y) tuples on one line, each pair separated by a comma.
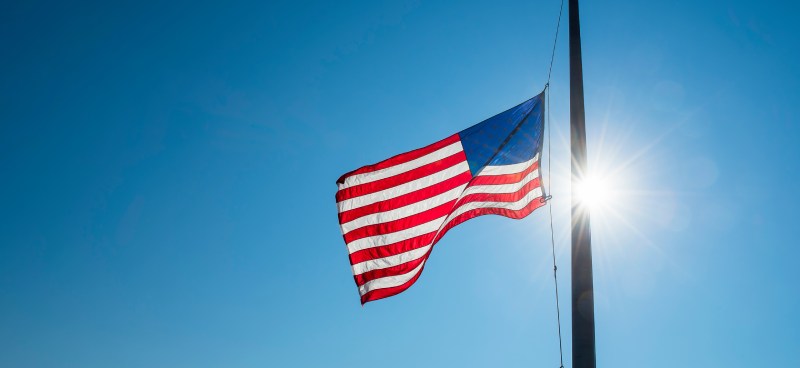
[(400, 224), (402, 158), (518, 214), (400, 269), (504, 178), (387, 292), (499, 197), (402, 178), (391, 249), (405, 199)]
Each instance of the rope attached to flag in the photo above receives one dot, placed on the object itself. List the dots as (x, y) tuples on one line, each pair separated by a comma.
[(552, 236), (555, 41), (549, 184)]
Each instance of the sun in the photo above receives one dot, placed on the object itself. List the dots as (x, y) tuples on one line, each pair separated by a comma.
[(595, 193)]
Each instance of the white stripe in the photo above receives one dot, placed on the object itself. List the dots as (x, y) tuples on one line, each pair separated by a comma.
[(405, 211), (390, 261), (514, 206), (405, 188), (391, 238), (389, 281), (401, 168), (502, 188), (507, 169)]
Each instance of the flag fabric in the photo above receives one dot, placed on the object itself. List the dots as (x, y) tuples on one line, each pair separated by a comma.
[(392, 213)]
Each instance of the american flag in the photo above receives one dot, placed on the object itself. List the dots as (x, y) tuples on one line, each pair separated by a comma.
[(393, 212)]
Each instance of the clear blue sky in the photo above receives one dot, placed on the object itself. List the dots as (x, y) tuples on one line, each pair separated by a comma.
[(168, 169)]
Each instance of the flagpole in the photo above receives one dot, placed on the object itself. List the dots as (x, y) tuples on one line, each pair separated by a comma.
[(583, 336)]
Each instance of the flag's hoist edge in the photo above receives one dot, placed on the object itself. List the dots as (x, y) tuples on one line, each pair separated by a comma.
[(392, 213)]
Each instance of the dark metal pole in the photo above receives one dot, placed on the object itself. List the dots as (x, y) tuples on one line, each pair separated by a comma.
[(583, 347)]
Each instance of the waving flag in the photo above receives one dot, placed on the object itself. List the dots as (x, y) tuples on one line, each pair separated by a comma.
[(393, 212)]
